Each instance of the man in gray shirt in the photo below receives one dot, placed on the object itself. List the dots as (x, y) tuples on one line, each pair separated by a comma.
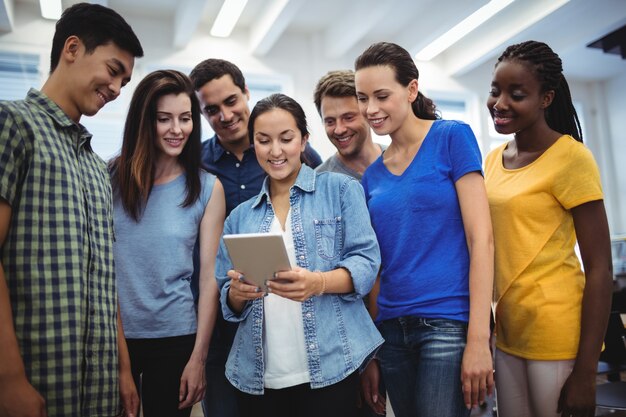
[(349, 132), (346, 127)]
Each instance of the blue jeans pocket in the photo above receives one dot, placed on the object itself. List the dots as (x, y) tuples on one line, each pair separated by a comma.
[(446, 325), (421, 365)]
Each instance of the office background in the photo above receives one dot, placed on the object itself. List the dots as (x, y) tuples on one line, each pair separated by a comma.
[(287, 45)]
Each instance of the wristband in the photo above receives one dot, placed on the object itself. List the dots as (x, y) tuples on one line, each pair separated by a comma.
[(321, 274)]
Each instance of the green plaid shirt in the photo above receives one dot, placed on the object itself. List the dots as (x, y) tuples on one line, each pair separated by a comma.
[(58, 257)]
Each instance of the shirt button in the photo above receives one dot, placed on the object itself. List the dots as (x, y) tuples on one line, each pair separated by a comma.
[(311, 346), (301, 256), (315, 221), (237, 164), (308, 315), (243, 187)]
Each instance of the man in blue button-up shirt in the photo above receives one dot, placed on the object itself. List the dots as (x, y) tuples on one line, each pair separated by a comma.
[(221, 89), (223, 94)]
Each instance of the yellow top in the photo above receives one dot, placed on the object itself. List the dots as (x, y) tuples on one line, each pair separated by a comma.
[(539, 281)]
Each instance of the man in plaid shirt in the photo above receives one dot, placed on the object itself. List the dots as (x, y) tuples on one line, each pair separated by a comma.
[(58, 302)]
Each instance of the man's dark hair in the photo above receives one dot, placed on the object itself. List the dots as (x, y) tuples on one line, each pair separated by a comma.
[(213, 68), (94, 25)]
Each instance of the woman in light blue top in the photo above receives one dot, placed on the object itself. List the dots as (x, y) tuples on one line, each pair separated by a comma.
[(163, 203), (299, 344)]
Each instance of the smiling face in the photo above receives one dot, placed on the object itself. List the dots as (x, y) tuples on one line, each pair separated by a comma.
[(173, 124), (225, 107), (384, 102), (278, 144), (516, 101), (345, 126), (94, 78)]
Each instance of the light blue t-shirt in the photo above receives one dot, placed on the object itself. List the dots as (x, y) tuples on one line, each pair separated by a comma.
[(153, 261), (417, 220)]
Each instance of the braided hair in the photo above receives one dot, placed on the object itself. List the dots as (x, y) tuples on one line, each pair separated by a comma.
[(547, 66)]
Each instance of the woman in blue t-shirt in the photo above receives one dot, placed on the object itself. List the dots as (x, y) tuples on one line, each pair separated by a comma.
[(163, 204), (428, 205)]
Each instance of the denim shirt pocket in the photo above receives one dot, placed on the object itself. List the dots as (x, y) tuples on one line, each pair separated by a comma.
[(329, 237)]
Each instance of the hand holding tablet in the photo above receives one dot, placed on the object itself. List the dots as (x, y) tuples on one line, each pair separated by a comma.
[(257, 255)]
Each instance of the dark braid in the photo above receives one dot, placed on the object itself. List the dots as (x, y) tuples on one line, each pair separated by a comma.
[(545, 63)]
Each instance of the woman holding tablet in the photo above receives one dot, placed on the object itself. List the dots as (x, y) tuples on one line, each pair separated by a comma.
[(301, 338)]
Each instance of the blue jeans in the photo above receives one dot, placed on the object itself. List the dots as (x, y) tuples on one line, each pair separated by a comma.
[(421, 364)]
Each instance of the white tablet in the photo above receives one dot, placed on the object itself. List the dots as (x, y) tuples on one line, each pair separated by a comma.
[(257, 255)]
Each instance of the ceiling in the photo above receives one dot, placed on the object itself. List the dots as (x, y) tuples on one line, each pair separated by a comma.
[(346, 27)]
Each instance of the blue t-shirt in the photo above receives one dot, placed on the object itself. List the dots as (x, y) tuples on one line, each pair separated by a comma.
[(417, 220), (153, 260)]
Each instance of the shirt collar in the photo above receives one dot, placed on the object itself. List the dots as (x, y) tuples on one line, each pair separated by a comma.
[(305, 181), (39, 99), (217, 150)]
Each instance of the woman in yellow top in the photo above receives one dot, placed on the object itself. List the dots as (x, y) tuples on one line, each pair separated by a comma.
[(544, 192)]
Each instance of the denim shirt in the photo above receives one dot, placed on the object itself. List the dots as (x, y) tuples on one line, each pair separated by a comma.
[(331, 229)]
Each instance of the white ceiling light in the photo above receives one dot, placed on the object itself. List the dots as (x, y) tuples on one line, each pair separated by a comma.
[(463, 28), (51, 9), (227, 17)]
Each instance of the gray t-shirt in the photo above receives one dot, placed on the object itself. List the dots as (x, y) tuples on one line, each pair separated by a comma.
[(153, 261), (334, 164)]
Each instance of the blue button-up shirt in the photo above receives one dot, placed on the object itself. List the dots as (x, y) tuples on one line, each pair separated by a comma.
[(331, 229), (241, 180)]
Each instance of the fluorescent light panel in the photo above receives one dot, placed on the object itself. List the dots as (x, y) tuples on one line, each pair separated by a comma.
[(50, 9), (227, 17), (467, 25)]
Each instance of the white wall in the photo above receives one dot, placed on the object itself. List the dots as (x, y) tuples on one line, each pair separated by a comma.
[(593, 111), (616, 119)]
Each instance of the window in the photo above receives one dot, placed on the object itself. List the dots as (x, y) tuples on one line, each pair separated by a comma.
[(451, 109), (18, 73)]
